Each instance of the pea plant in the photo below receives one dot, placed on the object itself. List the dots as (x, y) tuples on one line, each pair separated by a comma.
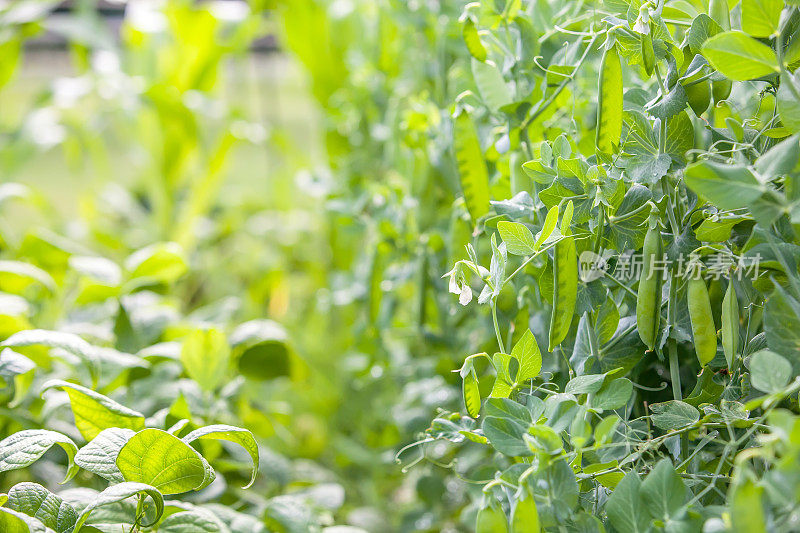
[(629, 170)]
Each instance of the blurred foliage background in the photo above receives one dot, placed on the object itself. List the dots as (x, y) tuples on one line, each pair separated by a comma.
[(265, 169)]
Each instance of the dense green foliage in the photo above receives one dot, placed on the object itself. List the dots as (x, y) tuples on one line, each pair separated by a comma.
[(543, 274)]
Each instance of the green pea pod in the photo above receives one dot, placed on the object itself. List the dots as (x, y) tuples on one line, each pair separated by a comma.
[(730, 324), (648, 298), (705, 336), (609, 103), (525, 517), (565, 281), (472, 394), (491, 520), (648, 54)]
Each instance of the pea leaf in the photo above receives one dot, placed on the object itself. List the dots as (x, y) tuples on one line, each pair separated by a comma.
[(769, 372), (625, 508), (25, 447), (726, 186), (663, 491), (94, 412), (506, 436), (518, 238), (740, 57), (155, 457), (673, 414), (527, 352), (760, 18)]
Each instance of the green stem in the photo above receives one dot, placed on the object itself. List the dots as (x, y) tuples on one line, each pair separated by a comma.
[(497, 327)]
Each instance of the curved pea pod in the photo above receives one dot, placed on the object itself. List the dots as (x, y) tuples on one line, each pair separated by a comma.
[(525, 516), (730, 324), (648, 297), (609, 103), (565, 281), (491, 519), (705, 336)]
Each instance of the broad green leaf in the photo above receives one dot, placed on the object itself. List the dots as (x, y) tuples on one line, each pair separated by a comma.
[(14, 522), (160, 263), (769, 372), (25, 447), (663, 491), (612, 395), (673, 414), (506, 436), (526, 351), (518, 238), (190, 522), (36, 501), (585, 384), (609, 110), (68, 342), (505, 408), (491, 86), (740, 57), (625, 508), (94, 412), (155, 457), (240, 436), (703, 27), (747, 507), (100, 455), (16, 276), (205, 356), (471, 166), (726, 186), (760, 18), (782, 326), (788, 101), (120, 492)]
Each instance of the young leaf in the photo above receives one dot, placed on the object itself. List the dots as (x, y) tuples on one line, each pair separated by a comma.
[(518, 238), (673, 414), (240, 436), (25, 447), (471, 166), (94, 412), (526, 351), (740, 57), (769, 372), (205, 356), (155, 457), (663, 491)]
